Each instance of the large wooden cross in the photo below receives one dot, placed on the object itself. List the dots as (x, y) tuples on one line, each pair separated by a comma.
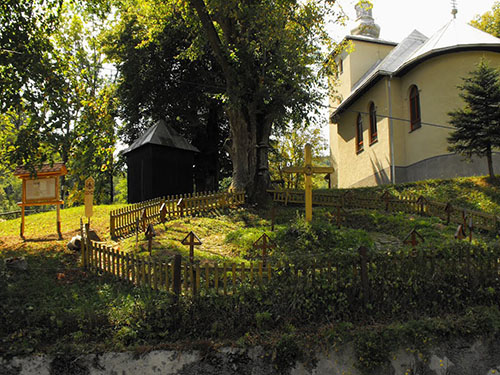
[(308, 170)]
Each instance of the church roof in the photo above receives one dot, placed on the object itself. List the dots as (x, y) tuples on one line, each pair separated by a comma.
[(416, 48), (162, 134)]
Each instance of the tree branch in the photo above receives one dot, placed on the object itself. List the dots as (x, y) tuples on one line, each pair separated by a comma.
[(214, 40)]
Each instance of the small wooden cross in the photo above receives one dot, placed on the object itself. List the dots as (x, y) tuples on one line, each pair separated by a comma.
[(386, 197), (150, 233), (308, 170), (163, 213), (338, 216), (460, 233), (181, 204), (411, 238), (192, 240), (264, 243)]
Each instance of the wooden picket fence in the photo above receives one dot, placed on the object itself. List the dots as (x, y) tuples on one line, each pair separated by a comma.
[(178, 277), (364, 276), (125, 222), (390, 203)]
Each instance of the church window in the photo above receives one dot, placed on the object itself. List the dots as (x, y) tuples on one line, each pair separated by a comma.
[(415, 119), (373, 123), (359, 134)]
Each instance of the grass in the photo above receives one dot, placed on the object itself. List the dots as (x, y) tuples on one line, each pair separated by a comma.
[(55, 306)]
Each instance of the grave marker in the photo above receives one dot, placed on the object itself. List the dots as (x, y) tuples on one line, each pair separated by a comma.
[(413, 238), (192, 240), (150, 234), (264, 243), (308, 170), (89, 197)]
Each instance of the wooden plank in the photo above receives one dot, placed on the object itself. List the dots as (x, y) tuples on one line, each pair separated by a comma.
[(234, 277), (225, 278), (216, 277), (207, 276), (198, 271), (177, 274)]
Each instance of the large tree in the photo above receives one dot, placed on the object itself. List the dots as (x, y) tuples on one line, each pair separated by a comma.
[(156, 82), (57, 105), (477, 124), (267, 51)]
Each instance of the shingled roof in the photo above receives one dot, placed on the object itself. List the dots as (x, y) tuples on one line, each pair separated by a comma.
[(45, 170), (163, 135), (416, 48)]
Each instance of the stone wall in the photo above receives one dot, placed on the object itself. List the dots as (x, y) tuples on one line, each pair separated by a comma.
[(457, 358)]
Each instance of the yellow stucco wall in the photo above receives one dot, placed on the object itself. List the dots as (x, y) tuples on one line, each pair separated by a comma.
[(375, 158), (363, 56), (437, 80)]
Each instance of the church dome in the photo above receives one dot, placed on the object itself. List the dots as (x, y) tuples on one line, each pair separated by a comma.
[(367, 25)]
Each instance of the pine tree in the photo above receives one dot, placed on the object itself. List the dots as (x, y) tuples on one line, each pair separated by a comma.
[(477, 124)]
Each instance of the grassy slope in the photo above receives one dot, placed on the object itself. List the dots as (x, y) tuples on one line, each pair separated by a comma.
[(54, 304)]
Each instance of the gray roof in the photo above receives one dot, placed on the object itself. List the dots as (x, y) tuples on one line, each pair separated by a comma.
[(416, 48), (163, 135)]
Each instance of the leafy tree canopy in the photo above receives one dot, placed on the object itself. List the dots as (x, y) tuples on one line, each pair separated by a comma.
[(489, 21)]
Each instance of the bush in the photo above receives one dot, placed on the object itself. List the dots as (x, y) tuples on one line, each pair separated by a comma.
[(304, 242)]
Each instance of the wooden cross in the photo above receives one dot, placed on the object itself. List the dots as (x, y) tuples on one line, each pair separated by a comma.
[(338, 216), (150, 233), (192, 240), (411, 238), (308, 170), (264, 243)]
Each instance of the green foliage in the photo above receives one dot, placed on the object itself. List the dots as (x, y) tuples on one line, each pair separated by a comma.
[(304, 243), (286, 353), (65, 108), (244, 238), (477, 124), (288, 150), (121, 188), (489, 21)]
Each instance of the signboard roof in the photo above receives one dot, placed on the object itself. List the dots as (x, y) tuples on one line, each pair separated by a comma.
[(55, 169)]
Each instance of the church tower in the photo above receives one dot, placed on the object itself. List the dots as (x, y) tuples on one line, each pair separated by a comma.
[(367, 26), (365, 50)]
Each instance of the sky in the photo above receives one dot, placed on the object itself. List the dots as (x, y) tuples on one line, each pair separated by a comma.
[(398, 18)]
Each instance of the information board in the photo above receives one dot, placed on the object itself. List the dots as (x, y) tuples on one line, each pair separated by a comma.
[(41, 189)]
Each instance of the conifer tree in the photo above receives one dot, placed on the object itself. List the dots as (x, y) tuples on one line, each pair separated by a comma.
[(477, 124)]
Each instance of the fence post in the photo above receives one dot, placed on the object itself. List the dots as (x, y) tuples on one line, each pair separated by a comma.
[(177, 275), (422, 203), (87, 246), (112, 225), (363, 253)]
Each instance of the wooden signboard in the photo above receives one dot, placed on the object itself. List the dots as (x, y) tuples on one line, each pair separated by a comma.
[(89, 197), (41, 189)]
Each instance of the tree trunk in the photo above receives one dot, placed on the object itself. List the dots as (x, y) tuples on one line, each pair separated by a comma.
[(240, 149), (262, 177), (490, 163), (250, 171)]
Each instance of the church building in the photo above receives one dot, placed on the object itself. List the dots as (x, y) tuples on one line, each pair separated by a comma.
[(390, 103)]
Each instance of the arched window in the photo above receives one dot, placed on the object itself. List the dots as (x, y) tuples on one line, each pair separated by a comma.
[(415, 119), (373, 123), (359, 134)]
